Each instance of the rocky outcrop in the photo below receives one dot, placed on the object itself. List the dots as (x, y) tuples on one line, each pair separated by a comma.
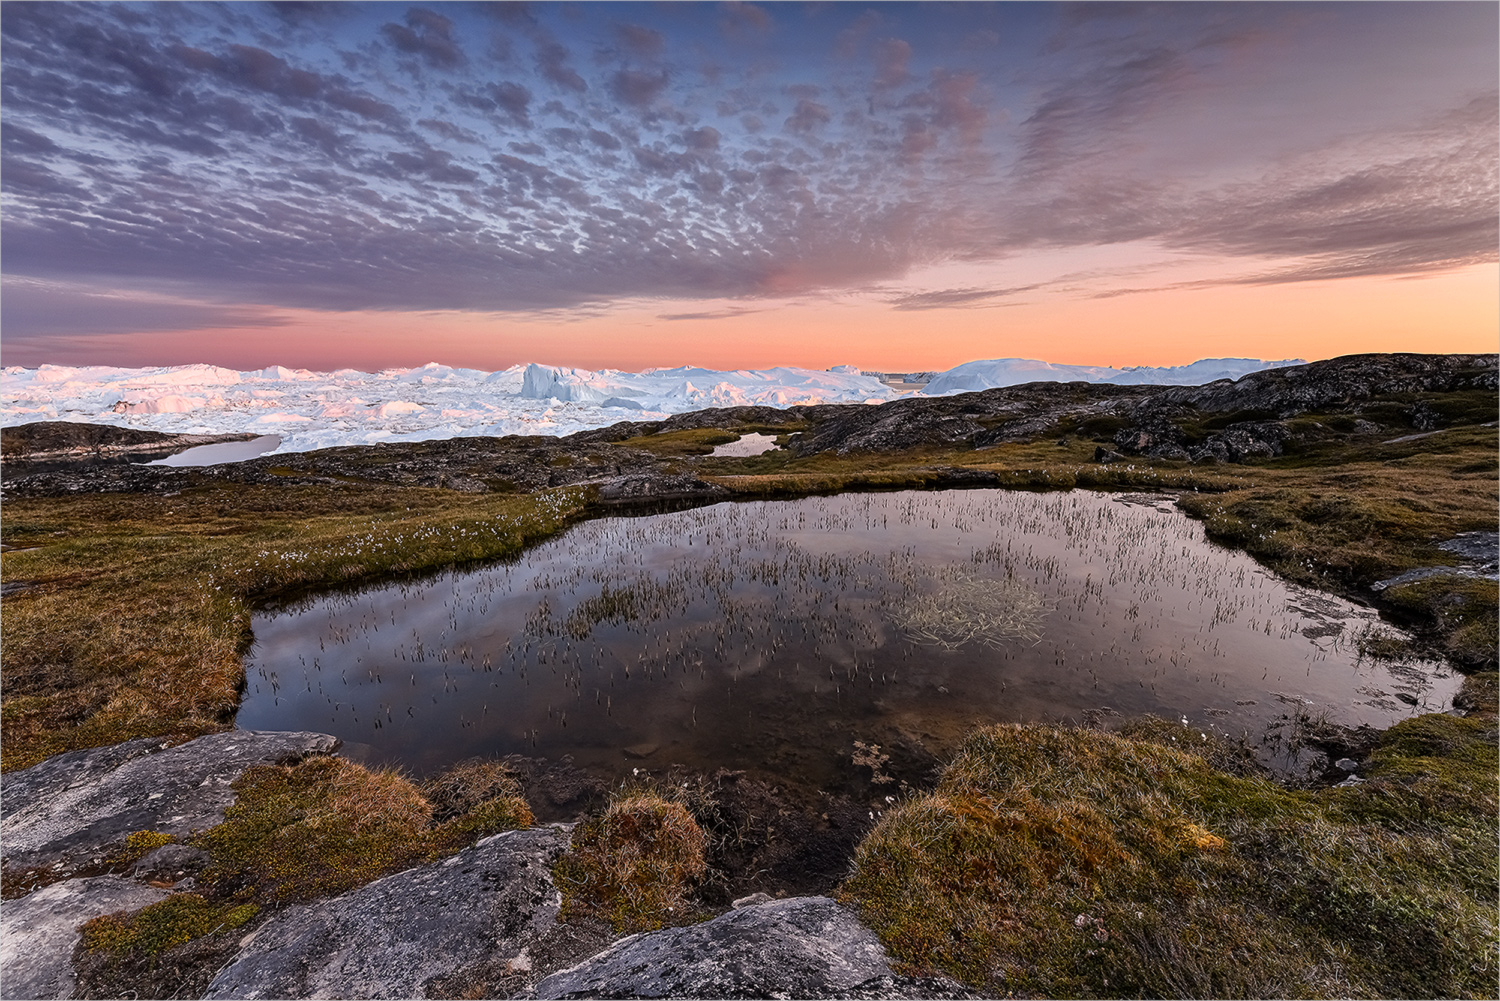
[(72, 810), (1338, 382), (39, 931), (646, 487), (487, 906), (804, 947)]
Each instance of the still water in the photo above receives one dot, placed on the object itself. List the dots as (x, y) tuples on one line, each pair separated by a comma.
[(772, 636), (225, 451)]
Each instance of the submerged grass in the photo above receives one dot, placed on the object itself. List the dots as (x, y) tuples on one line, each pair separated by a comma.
[(1055, 862)]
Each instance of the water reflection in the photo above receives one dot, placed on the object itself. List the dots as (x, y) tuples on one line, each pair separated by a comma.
[(771, 636)]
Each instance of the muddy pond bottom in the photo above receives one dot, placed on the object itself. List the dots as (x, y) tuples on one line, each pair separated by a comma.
[(839, 643)]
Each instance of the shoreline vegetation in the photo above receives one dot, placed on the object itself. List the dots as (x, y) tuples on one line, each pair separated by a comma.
[(1046, 860)]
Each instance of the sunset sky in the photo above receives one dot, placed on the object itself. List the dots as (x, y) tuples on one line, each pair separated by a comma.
[(893, 186)]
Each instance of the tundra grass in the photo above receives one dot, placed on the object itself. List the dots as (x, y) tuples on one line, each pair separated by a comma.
[(1076, 863), (133, 611)]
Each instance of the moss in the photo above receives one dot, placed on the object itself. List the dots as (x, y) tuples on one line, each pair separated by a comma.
[(1462, 608), (1070, 862), (154, 929), (319, 827), (472, 800), (1443, 764), (634, 865)]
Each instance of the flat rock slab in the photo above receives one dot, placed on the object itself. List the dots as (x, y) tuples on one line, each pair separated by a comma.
[(803, 947), (76, 807), (39, 931), (392, 938)]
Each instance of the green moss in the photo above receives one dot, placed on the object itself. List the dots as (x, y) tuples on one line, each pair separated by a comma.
[(1079, 863), (1464, 610), (158, 927), (315, 828)]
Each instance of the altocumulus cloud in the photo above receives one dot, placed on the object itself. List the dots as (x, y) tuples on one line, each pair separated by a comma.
[(521, 158)]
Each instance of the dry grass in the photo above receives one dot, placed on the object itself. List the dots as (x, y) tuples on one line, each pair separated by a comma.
[(1075, 863), (634, 865)]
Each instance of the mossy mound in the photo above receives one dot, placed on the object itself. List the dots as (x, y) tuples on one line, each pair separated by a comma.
[(1059, 862)]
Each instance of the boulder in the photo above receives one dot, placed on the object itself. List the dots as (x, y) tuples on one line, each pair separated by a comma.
[(75, 808), (802, 947), (484, 907), (39, 932)]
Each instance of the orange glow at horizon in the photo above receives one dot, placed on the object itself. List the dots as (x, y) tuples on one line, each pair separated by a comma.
[(1457, 311)]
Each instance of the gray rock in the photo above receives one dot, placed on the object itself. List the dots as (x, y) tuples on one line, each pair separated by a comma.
[(390, 939), (1346, 764), (658, 486), (753, 900), (803, 947), (39, 931), (73, 809)]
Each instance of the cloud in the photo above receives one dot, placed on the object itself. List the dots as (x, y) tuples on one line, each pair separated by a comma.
[(640, 41), (739, 20), (552, 62), (891, 58), (949, 298), (637, 87), (427, 34), (713, 314), (31, 310), (808, 116)]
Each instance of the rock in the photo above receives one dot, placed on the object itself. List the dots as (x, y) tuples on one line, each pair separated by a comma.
[(754, 900), (1346, 764), (171, 862), (803, 947), (658, 486), (487, 905), (39, 931), (74, 808)]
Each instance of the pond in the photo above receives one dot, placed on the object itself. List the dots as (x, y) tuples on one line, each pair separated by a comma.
[(788, 638), (225, 451)]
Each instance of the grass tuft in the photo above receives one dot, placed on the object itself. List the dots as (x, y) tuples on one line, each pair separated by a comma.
[(633, 866)]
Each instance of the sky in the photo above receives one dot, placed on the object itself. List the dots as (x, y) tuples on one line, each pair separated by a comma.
[(900, 187)]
